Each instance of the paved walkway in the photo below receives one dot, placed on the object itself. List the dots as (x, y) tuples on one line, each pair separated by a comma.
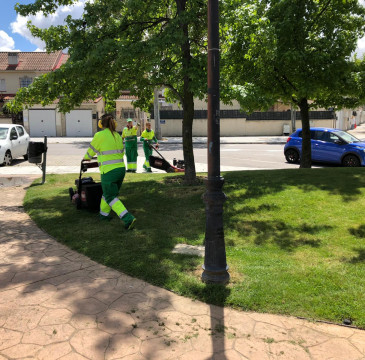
[(58, 304)]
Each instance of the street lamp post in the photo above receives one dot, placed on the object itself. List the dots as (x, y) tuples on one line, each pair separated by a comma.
[(156, 108), (215, 264)]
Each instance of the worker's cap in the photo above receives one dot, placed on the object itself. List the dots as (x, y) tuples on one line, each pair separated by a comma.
[(128, 120)]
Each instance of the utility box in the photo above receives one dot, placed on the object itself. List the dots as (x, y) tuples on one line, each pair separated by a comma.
[(286, 129)]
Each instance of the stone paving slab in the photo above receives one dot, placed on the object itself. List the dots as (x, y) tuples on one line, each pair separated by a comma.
[(58, 304)]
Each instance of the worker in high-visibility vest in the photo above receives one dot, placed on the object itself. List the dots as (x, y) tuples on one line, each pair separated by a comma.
[(108, 145), (129, 135), (147, 137)]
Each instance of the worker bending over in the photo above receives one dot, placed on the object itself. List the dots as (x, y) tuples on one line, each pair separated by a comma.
[(147, 137), (129, 135), (108, 145)]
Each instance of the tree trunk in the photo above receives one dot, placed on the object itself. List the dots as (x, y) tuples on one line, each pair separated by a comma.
[(306, 157), (187, 101), (187, 132)]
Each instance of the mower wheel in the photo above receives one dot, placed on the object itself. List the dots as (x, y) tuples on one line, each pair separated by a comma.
[(71, 192), (78, 203)]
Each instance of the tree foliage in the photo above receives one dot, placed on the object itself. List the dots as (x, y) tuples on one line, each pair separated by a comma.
[(117, 45), (298, 51)]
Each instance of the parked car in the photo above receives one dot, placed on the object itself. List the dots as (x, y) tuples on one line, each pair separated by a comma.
[(327, 146), (14, 142)]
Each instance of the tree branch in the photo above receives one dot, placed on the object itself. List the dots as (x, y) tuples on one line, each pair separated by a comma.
[(285, 79), (319, 15), (178, 95)]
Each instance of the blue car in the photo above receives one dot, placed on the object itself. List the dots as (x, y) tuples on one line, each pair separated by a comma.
[(328, 146)]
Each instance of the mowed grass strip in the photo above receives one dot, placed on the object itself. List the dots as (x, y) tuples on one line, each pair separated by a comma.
[(295, 239)]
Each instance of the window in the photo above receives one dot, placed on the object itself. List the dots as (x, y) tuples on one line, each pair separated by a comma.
[(13, 133), (2, 85), (25, 81), (3, 133), (333, 138), (20, 130), (128, 114), (312, 134), (326, 136), (320, 135)]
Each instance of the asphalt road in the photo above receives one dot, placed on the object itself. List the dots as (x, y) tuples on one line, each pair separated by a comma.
[(233, 156)]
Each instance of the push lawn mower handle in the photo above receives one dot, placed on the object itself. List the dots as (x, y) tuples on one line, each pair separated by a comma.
[(86, 164), (152, 147)]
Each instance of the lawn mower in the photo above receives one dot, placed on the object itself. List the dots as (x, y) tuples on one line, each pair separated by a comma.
[(162, 164), (88, 193)]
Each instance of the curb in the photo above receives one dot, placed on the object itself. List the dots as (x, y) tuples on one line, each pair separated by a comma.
[(269, 141)]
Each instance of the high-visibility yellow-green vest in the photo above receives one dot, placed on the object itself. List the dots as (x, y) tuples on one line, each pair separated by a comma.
[(109, 149), (149, 135), (130, 136)]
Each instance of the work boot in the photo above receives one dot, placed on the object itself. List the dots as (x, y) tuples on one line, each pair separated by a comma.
[(104, 218), (129, 221), (130, 226)]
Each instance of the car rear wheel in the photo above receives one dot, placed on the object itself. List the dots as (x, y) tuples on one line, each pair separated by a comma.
[(351, 161), (292, 156), (25, 156), (8, 158)]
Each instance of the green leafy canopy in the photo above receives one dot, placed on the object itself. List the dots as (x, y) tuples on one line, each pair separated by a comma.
[(118, 45), (293, 49)]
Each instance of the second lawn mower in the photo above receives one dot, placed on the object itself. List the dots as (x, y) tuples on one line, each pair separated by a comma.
[(162, 164)]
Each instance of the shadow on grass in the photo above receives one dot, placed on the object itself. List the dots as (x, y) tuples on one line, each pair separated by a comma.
[(359, 232), (359, 258), (240, 186), (345, 182), (286, 237)]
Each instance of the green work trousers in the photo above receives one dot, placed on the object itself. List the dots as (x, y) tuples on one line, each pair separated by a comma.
[(111, 183), (131, 153), (147, 153)]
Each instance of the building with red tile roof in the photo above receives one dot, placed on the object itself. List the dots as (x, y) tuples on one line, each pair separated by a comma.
[(32, 61), (19, 69)]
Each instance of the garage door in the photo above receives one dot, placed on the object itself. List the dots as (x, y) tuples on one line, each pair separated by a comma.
[(79, 123), (42, 122)]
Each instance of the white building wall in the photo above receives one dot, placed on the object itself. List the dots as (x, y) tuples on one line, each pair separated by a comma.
[(237, 127)]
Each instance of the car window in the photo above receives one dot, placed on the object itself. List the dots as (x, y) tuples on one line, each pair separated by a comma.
[(20, 130), (320, 135), (312, 134), (3, 133), (333, 137), (13, 132), (325, 136), (347, 137)]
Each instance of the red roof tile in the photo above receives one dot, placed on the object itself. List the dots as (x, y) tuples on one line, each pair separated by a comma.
[(34, 61), (95, 101), (127, 97)]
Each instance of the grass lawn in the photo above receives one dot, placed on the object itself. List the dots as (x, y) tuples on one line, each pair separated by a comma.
[(295, 239)]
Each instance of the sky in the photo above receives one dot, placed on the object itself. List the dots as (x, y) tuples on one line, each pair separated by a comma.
[(14, 35)]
